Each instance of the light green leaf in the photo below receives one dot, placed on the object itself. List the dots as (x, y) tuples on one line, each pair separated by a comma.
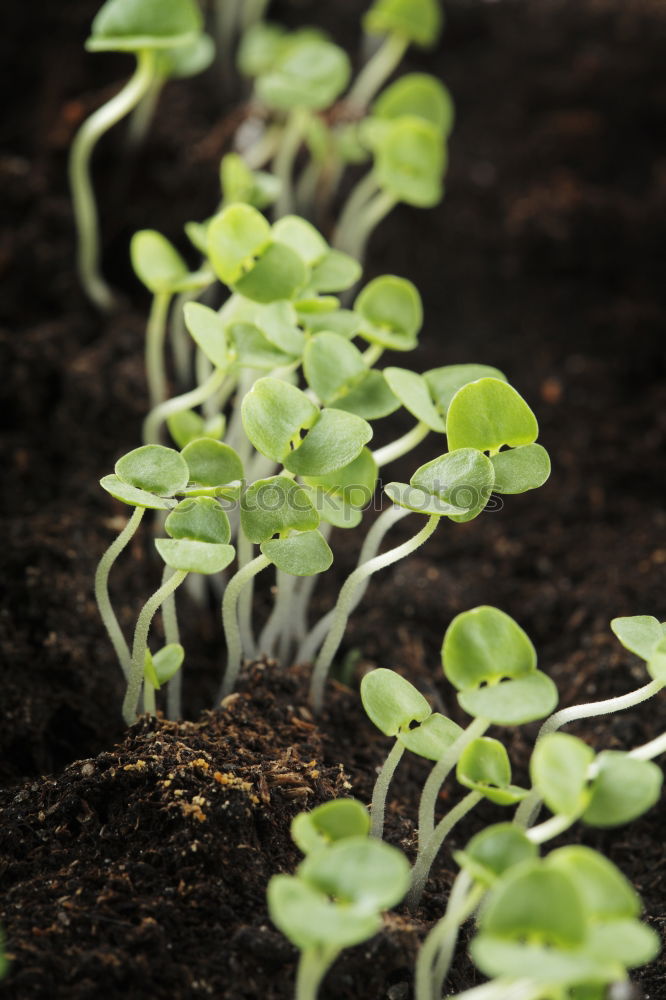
[(391, 313), (605, 892), (277, 274), (445, 382), (259, 48), (122, 491), (638, 633), (420, 96), (207, 330), (335, 272), (311, 921), (187, 426), (194, 557), (333, 509), (355, 482), (521, 469), (391, 702), (558, 768), (310, 73), (154, 468), (332, 365), (484, 767), (328, 823), (420, 21), (200, 519), (494, 851), (370, 398), (421, 501), (536, 902), (160, 668), (657, 663), (235, 237), (334, 441), (303, 554), (483, 645), (626, 941), (488, 414), (361, 871), (342, 321), (432, 738), (132, 25), (413, 392), (188, 60), (156, 261), (623, 789), (410, 160), (496, 956), (254, 350), (464, 479), (511, 702), (275, 506), (274, 414), (212, 463), (302, 237)]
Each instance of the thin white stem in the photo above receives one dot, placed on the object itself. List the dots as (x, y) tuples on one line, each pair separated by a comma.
[(269, 633), (181, 342), (172, 635), (285, 158), (149, 700), (245, 552), (312, 968), (230, 621), (434, 958), (102, 589), (372, 354), (156, 417), (155, 362), (345, 604), (402, 445), (430, 850), (303, 593), (549, 829), (142, 116), (140, 643), (648, 751), (377, 70), (356, 239), (380, 791), (360, 195), (449, 934), (83, 197)]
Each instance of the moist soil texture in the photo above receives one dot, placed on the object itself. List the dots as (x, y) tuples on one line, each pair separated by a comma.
[(135, 863)]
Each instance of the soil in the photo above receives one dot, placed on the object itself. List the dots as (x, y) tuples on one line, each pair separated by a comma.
[(138, 866)]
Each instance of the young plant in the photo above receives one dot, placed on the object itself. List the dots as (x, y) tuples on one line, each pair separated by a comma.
[(121, 26), (326, 824)]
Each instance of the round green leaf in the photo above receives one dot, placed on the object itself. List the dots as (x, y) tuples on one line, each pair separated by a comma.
[(484, 767), (200, 519), (657, 663), (355, 482), (154, 468), (418, 95), (445, 382), (537, 902), (274, 506), (235, 237), (623, 789), (420, 501), (277, 274), (464, 479), (333, 509), (133, 496), (391, 313), (334, 441), (488, 414), (156, 261), (194, 557), (303, 554), (332, 365), (132, 25), (187, 426), (188, 60), (370, 398), (496, 956), (259, 48), (302, 237), (311, 921), (638, 633), (212, 463), (605, 892), (521, 469), (410, 160), (329, 823), (361, 871), (494, 851), (207, 330), (254, 350), (432, 738), (627, 941), (335, 272), (342, 321), (511, 702), (483, 645), (310, 73), (558, 769), (274, 414), (419, 21), (413, 392), (391, 702), (160, 668)]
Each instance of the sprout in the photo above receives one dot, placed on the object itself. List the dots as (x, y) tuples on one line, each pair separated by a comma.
[(417, 95), (335, 901), (121, 26), (329, 823), (484, 767), (159, 669)]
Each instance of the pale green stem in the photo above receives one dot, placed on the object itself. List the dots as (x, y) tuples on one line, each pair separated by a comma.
[(550, 828), (140, 643), (429, 852), (149, 700), (449, 936), (439, 774), (155, 334), (529, 808), (143, 114), (181, 341), (172, 635), (253, 11), (102, 589), (402, 445), (369, 550), (283, 163), (372, 354), (83, 197), (155, 419), (263, 148), (434, 958), (227, 15), (304, 591), (377, 70), (285, 625), (366, 222), (283, 587), (245, 552), (230, 621), (345, 604), (306, 188), (359, 196), (312, 967), (380, 791), (648, 751)]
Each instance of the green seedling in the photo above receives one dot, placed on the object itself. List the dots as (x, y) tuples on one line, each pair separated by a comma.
[(188, 425), (416, 95), (159, 669), (240, 183), (144, 29), (335, 901), (329, 823), (484, 767)]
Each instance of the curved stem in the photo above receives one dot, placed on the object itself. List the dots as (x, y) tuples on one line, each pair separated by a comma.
[(345, 603), (438, 776), (143, 114), (402, 445), (245, 552), (434, 958), (155, 334), (449, 935), (549, 829), (172, 635), (429, 852), (181, 342), (356, 239), (283, 163), (359, 196), (369, 549), (230, 621), (378, 68), (650, 750), (372, 354), (83, 197), (140, 643), (380, 791), (312, 968), (528, 810), (156, 417), (304, 590), (102, 589), (284, 584)]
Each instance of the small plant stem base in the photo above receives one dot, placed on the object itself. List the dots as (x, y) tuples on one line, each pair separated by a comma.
[(345, 604), (438, 776), (528, 810), (142, 117), (245, 550), (429, 852), (311, 970), (434, 958), (230, 621), (85, 209), (285, 158), (401, 446), (148, 611), (284, 584), (155, 419), (381, 788), (102, 590), (172, 635), (155, 335), (378, 69), (149, 701)]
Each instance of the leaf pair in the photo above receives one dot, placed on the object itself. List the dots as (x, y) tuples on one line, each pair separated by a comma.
[(280, 507)]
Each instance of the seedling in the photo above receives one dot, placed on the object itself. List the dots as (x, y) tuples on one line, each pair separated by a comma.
[(159, 669), (335, 901), (121, 26), (329, 823)]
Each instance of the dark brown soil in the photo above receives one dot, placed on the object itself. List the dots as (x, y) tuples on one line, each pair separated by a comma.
[(546, 259)]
